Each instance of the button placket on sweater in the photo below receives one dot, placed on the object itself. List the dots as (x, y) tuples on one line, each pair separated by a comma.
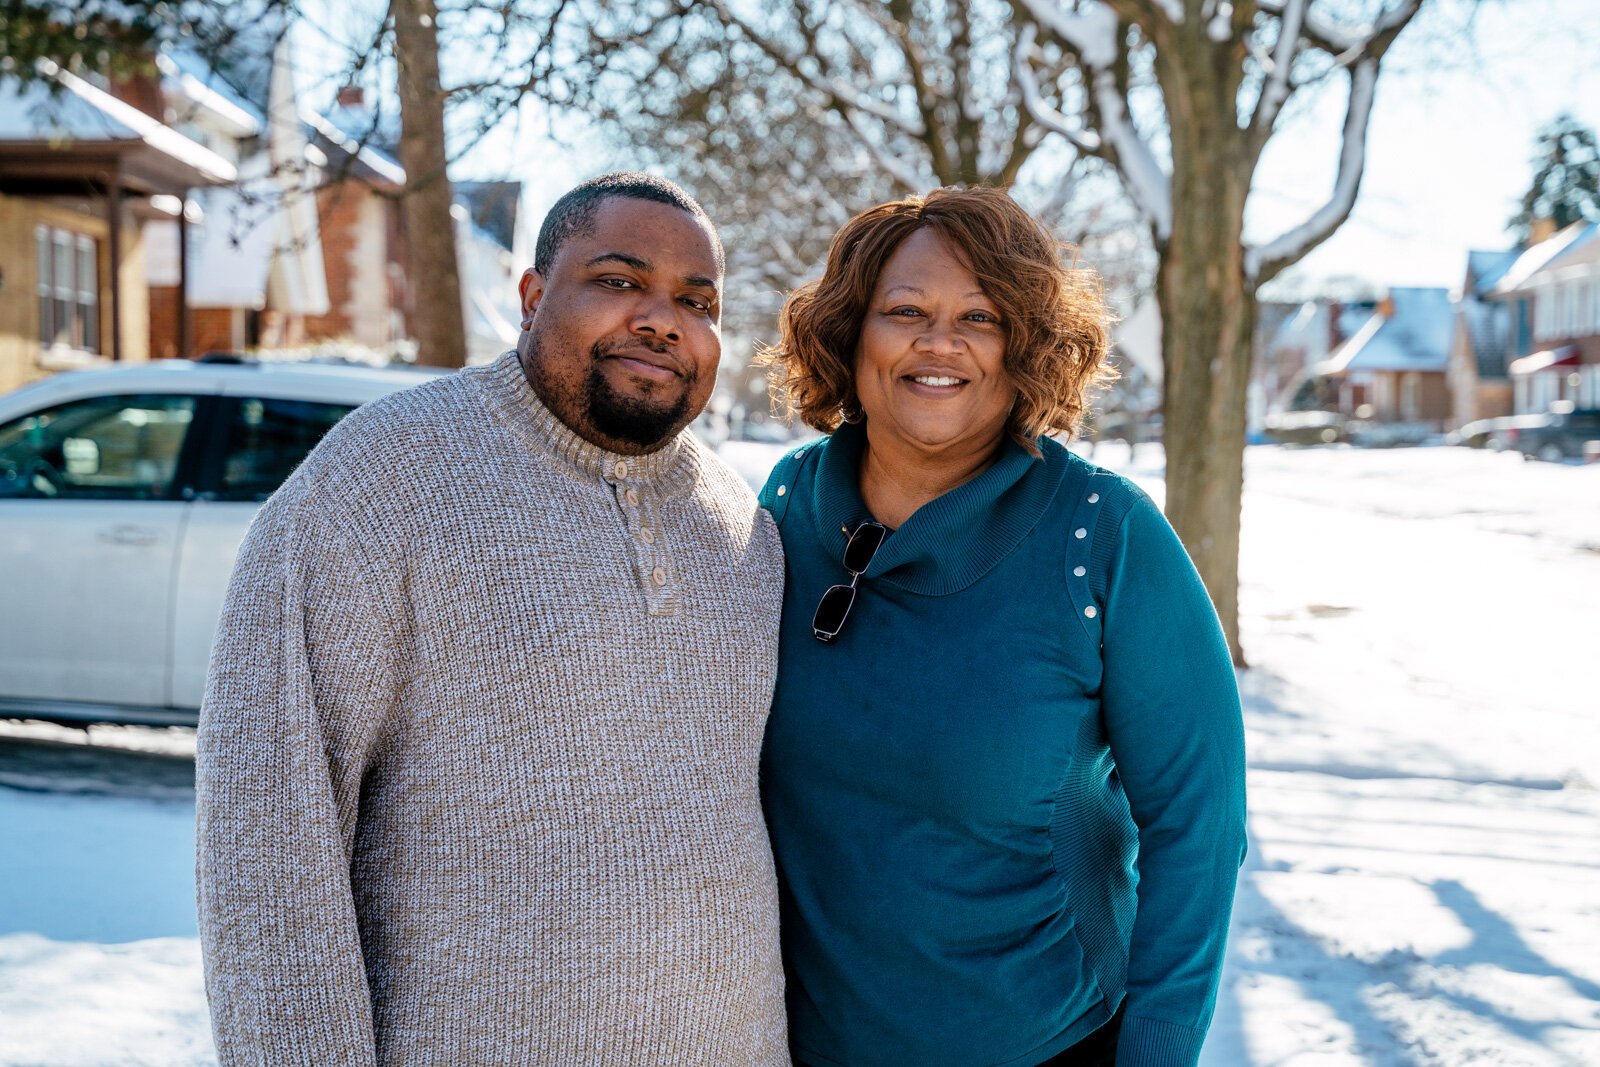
[(640, 506)]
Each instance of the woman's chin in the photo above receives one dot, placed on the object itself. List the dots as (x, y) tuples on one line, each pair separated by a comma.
[(935, 436)]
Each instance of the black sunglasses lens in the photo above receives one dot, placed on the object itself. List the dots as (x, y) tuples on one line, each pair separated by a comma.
[(831, 613), (864, 544)]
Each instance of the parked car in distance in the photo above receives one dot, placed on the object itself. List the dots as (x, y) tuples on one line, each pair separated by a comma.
[(1559, 435), (124, 495), (1305, 428)]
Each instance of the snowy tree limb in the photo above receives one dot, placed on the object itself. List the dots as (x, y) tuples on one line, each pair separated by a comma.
[(1276, 89), (1263, 262), (844, 97), (1084, 140), (1116, 140), (1349, 47), (904, 174), (1091, 33)]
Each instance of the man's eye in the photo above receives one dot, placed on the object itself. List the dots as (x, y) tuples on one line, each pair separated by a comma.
[(702, 306), (616, 283)]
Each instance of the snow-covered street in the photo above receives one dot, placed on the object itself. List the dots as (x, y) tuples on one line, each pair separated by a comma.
[(1423, 714)]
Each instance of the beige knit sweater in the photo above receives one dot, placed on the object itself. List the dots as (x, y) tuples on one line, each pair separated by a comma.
[(477, 760)]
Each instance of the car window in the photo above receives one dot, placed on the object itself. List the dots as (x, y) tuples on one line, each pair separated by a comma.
[(104, 448), (265, 441)]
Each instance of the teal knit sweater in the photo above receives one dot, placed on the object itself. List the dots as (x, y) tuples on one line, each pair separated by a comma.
[(1012, 792)]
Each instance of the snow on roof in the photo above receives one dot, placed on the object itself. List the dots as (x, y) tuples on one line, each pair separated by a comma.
[(85, 112), (378, 163), (1412, 335), (1485, 268), (1544, 255), (187, 76)]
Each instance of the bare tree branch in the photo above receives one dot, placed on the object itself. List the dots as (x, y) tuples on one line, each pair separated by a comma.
[(1264, 262)]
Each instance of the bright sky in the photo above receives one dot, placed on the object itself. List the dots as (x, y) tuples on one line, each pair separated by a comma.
[(1463, 93)]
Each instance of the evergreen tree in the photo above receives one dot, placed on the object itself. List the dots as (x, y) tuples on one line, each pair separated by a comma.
[(1566, 180)]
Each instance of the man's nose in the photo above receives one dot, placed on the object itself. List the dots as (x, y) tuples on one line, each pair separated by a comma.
[(657, 316)]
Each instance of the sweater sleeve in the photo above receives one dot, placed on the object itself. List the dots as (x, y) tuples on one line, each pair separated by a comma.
[(302, 676), (1171, 706)]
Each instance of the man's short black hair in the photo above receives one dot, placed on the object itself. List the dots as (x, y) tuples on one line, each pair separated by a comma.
[(573, 215)]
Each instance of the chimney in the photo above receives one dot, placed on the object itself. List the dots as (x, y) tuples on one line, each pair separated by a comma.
[(1542, 229), (352, 96), (1386, 306)]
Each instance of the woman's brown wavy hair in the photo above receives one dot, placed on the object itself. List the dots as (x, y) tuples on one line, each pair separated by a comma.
[(1055, 318)]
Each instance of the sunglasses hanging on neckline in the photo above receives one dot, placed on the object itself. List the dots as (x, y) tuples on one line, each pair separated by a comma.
[(836, 603)]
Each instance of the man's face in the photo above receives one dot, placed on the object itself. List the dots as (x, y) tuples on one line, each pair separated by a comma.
[(621, 339)]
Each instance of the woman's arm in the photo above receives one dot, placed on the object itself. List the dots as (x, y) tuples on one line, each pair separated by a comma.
[(1172, 714)]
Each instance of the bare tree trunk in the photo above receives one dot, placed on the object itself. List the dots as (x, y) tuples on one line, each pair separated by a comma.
[(1208, 314), (425, 205)]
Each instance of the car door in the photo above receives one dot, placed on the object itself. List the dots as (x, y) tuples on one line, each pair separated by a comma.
[(91, 517), (257, 443)]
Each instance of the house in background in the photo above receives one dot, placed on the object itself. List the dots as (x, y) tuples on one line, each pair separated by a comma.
[(1480, 387), (1552, 297), (1392, 370), (80, 172), (1295, 333), (248, 222)]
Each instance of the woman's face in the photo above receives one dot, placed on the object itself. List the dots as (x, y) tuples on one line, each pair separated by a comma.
[(930, 369)]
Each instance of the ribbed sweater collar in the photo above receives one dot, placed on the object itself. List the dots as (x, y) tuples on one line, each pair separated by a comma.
[(951, 541), (670, 470)]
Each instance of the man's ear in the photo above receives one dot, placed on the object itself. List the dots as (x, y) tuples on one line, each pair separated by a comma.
[(531, 290)]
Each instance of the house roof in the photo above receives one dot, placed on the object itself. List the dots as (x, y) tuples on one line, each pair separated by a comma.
[(79, 116), (493, 206), (1411, 334), (1486, 268), (1543, 256)]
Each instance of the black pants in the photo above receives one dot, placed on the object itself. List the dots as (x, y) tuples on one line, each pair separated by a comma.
[(1099, 1049)]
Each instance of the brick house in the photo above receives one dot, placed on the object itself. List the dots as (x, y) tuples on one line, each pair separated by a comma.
[(1392, 370), (1480, 387), (80, 172), (1552, 297)]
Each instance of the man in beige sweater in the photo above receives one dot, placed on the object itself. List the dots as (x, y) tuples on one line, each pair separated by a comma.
[(477, 760)]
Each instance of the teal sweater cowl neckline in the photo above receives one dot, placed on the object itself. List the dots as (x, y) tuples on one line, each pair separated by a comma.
[(950, 542)]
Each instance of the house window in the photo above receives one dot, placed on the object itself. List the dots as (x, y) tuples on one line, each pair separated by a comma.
[(69, 289)]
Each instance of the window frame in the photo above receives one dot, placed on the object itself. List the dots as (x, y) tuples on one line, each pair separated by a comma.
[(69, 315)]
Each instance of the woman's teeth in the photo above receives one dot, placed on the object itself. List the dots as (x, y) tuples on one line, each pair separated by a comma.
[(929, 379)]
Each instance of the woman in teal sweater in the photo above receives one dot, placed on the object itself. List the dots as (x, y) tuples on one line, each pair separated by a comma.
[(1004, 771)]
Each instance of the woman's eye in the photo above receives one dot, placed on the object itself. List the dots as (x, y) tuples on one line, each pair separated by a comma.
[(906, 312), (984, 317)]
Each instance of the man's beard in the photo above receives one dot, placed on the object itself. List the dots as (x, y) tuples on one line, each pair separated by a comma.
[(637, 420), (628, 418)]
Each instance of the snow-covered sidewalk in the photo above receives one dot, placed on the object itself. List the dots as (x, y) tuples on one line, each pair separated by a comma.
[(1423, 716)]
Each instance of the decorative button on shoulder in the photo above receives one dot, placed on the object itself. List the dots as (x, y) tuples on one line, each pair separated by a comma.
[(1079, 572), (1080, 533), (1094, 498), (1090, 611), (782, 489)]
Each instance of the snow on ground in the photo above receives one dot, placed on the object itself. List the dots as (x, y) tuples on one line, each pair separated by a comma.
[(1423, 723)]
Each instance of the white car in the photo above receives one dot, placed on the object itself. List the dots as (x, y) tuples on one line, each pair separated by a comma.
[(124, 495)]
